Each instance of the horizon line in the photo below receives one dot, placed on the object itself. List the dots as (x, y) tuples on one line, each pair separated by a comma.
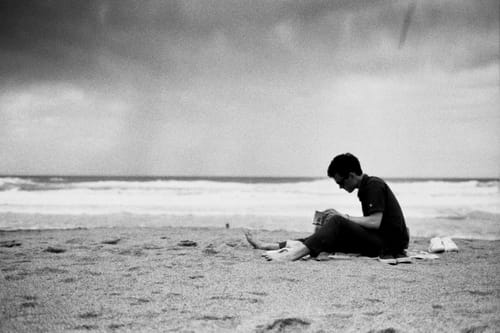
[(455, 178)]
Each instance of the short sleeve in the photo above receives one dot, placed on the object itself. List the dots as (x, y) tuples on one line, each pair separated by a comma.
[(373, 199)]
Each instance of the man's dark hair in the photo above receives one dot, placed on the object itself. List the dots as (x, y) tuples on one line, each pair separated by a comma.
[(343, 164)]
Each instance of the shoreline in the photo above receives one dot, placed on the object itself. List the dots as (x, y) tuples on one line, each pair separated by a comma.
[(143, 279), (471, 228)]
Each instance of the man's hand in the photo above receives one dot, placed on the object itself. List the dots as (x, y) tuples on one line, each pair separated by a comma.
[(329, 213)]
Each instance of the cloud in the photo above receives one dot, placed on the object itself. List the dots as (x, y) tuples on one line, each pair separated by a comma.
[(149, 86), (78, 40)]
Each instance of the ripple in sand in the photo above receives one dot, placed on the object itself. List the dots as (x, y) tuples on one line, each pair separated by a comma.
[(91, 273), (9, 243), (374, 313), (16, 277), (86, 327), (152, 247), (132, 252), (475, 329), (139, 300), (234, 298), (208, 317), (340, 315), (478, 292), (74, 241), (258, 293), (373, 300), (50, 270), (68, 280)]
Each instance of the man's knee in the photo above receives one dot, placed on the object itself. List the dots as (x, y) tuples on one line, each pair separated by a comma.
[(336, 221)]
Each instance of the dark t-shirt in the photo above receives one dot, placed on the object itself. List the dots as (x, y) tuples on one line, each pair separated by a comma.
[(376, 196)]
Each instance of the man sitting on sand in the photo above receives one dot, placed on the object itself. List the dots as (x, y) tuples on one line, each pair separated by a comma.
[(381, 231)]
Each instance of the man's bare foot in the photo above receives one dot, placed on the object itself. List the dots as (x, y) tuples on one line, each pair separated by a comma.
[(276, 255), (249, 237), (287, 253), (258, 244)]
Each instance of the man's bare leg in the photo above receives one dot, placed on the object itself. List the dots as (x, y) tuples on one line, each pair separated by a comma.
[(296, 251), (258, 244)]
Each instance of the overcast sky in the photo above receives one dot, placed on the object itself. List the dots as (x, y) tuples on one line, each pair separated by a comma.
[(242, 88)]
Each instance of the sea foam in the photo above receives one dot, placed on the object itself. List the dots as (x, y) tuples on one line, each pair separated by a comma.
[(263, 199)]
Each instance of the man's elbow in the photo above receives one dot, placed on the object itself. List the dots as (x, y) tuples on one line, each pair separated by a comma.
[(376, 220)]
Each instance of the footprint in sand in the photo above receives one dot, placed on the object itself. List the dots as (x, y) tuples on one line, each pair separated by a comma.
[(111, 241), (29, 301), (28, 305), (384, 330), (187, 243), (116, 326), (281, 325), (90, 314), (51, 249), (210, 250), (135, 268)]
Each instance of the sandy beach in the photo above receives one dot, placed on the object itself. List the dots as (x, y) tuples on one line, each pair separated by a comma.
[(211, 280)]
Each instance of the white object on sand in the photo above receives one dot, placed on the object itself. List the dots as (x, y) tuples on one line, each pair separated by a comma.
[(423, 255), (449, 244), (436, 245), (445, 244)]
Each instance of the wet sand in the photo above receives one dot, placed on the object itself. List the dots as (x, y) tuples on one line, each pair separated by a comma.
[(148, 279)]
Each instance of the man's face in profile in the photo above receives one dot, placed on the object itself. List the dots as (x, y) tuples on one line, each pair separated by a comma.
[(346, 183)]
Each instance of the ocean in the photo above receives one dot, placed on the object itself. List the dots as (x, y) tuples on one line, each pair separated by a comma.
[(465, 208)]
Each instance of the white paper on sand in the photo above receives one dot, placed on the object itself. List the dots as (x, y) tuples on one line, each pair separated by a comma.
[(422, 255)]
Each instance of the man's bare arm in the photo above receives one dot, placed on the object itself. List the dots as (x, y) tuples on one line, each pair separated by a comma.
[(371, 221)]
